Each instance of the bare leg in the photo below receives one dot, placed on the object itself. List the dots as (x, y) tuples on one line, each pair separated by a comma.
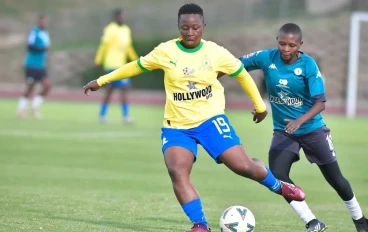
[(237, 160), (179, 163), (39, 99), (23, 100), (124, 91)]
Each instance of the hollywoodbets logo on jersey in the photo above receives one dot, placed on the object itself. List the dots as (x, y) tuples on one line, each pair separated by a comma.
[(285, 99), (194, 93)]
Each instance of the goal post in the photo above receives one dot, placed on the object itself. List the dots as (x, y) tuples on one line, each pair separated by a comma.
[(353, 65)]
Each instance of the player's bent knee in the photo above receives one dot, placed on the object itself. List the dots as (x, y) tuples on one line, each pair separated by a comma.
[(258, 161), (178, 175), (245, 169), (237, 161)]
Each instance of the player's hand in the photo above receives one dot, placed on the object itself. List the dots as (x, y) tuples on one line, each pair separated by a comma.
[(258, 117), (292, 126), (92, 85)]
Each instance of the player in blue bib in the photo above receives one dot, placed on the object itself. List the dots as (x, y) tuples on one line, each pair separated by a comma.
[(297, 95), (35, 66)]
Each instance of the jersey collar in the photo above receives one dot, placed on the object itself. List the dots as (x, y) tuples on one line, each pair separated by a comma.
[(189, 50)]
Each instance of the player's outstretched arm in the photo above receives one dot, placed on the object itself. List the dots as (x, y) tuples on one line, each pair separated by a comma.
[(247, 82), (128, 70)]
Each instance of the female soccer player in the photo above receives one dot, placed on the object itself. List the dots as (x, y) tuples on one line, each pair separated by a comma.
[(194, 111), (114, 50), (36, 68), (297, 96)]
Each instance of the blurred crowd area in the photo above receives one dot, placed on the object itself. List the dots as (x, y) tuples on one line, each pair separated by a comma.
[(242, 26)]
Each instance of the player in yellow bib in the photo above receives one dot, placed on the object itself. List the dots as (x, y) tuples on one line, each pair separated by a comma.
[(194, 111), (114, 50)]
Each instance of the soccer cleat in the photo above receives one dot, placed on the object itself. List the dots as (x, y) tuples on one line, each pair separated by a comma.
[(21, 114), (128, 120), (36, 114), (199, 228), (316, 226), (102, 120), (361, 225), (291, 192)]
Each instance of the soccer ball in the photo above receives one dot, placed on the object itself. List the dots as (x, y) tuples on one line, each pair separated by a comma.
[(237, 219)]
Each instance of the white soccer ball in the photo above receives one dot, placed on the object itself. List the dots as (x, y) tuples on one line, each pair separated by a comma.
[(237, 219)]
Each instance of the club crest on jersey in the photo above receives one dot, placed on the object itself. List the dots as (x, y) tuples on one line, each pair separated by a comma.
[(206, 64), (298, 71)]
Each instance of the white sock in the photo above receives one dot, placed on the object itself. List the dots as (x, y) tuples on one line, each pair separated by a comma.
[(22, 104), (354, 208), (37, 101), (302, 209)]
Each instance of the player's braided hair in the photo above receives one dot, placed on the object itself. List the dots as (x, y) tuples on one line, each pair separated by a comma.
[(190, 8), (291, 28)]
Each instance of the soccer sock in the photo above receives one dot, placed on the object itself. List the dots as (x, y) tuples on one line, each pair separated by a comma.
[(301, 208), (37, 101), (194, 211), (354, 208), (103, 110), (271, 182), (23, 101), (125, 109)]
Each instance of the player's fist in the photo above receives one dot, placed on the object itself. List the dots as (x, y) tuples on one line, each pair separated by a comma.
[(92, 85), (259, 117)]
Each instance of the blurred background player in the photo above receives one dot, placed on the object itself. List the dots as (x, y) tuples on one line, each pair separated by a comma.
[(115, 47), (36, 68)]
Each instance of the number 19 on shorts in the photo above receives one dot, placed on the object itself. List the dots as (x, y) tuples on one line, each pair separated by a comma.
[(221, 125)]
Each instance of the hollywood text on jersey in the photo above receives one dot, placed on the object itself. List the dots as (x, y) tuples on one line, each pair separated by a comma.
[(206, 92), (297, 101)]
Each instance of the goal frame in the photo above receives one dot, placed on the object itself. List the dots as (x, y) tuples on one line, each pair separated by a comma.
[(353, 66)]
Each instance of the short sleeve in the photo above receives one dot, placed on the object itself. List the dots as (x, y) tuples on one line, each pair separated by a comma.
[(32, 37), (255, 60), (315, 79), (228, 63), (152, 60)]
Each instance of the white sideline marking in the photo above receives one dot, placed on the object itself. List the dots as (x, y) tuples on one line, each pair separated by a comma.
[(92, 134)]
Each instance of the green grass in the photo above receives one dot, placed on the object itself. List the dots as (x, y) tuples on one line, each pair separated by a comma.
[(69, 173)]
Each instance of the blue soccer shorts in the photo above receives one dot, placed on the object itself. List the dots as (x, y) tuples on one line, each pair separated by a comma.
[(216, 135)]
